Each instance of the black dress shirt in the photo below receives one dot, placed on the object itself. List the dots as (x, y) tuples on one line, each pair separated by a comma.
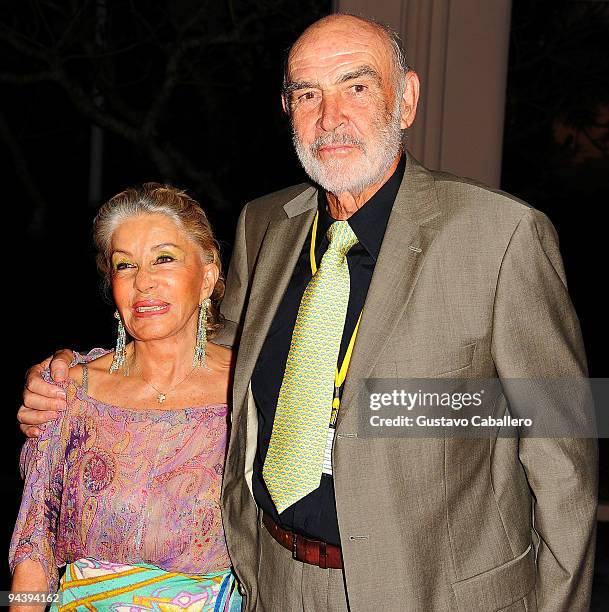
[(314, 516)]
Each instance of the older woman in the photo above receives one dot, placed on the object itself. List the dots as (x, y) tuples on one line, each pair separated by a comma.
[(123, 488)]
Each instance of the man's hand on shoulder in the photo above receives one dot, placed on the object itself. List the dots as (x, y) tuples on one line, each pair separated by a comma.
[(42, 401)]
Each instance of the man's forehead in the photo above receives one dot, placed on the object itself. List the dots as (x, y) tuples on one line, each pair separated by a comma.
[(335, 51)]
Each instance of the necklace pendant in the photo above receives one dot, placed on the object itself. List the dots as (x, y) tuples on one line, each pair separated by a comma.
[(161, 398)]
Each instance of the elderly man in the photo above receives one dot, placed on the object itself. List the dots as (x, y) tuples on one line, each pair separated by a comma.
[(383, 269)]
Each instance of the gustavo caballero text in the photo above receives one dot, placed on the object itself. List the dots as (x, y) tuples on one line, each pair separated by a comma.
[(427, 421)]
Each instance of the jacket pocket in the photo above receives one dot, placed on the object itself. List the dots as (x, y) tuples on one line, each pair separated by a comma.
[(499, 587), (435, 361)]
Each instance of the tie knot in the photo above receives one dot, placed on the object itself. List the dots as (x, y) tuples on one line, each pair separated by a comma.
[(341, 236)]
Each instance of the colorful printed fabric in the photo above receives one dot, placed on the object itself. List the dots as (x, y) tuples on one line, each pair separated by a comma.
[(89, 584), (133, 486)]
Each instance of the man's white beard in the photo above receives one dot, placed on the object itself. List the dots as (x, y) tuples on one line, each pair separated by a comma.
[(345, 175)]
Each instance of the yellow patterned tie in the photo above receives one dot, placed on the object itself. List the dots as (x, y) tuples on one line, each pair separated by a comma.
[(294, 461)]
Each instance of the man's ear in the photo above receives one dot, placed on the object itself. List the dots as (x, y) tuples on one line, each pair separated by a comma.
[(410, 99), (285, 104)]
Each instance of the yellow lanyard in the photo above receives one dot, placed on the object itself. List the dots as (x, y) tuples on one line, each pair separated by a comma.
[(341, 373)]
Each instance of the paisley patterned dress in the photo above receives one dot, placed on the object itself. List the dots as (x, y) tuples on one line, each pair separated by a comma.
[(116, 494)]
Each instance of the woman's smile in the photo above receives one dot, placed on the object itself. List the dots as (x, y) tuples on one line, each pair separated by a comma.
[(150, 308)]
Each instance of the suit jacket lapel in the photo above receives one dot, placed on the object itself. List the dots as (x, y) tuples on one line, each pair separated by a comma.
[(404, 247), (278, 255)]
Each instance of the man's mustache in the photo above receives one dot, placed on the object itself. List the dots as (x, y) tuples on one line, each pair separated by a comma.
[(336, 139)]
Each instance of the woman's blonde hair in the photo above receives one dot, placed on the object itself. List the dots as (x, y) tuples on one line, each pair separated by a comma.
[(177, 205)]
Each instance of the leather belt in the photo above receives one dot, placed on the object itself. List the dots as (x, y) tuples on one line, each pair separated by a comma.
[(314, 552)]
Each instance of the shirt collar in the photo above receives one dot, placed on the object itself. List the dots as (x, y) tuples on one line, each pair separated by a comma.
[(370, 221)]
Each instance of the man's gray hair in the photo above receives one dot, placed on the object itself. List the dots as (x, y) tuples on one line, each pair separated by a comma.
[(397, 45), (400, 65)]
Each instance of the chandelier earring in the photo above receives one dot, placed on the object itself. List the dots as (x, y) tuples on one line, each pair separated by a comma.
[(201, 342), (120, 352)]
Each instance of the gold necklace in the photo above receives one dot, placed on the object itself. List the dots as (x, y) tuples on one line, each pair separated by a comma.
[(162, 396)]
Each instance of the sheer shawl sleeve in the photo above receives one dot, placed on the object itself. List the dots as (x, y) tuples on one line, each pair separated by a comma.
[(42, 464)]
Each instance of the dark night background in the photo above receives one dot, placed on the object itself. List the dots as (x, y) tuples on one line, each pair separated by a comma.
[(98, 95)]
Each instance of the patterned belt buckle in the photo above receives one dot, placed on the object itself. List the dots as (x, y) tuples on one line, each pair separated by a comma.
[(294, 546)]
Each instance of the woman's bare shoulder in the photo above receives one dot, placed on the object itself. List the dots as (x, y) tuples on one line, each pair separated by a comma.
[(97, 366), (101, 364)]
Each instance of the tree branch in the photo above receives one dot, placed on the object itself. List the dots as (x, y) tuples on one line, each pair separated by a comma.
[(20, 43), (82, 6), (22, 170), (202, 178), (27, 79), (172, 73), (85, 104)]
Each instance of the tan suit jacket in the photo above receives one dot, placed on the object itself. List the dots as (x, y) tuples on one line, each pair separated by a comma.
[(469, 282)]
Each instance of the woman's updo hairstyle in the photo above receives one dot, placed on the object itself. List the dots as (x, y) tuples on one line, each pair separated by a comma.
[(177, 205)]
